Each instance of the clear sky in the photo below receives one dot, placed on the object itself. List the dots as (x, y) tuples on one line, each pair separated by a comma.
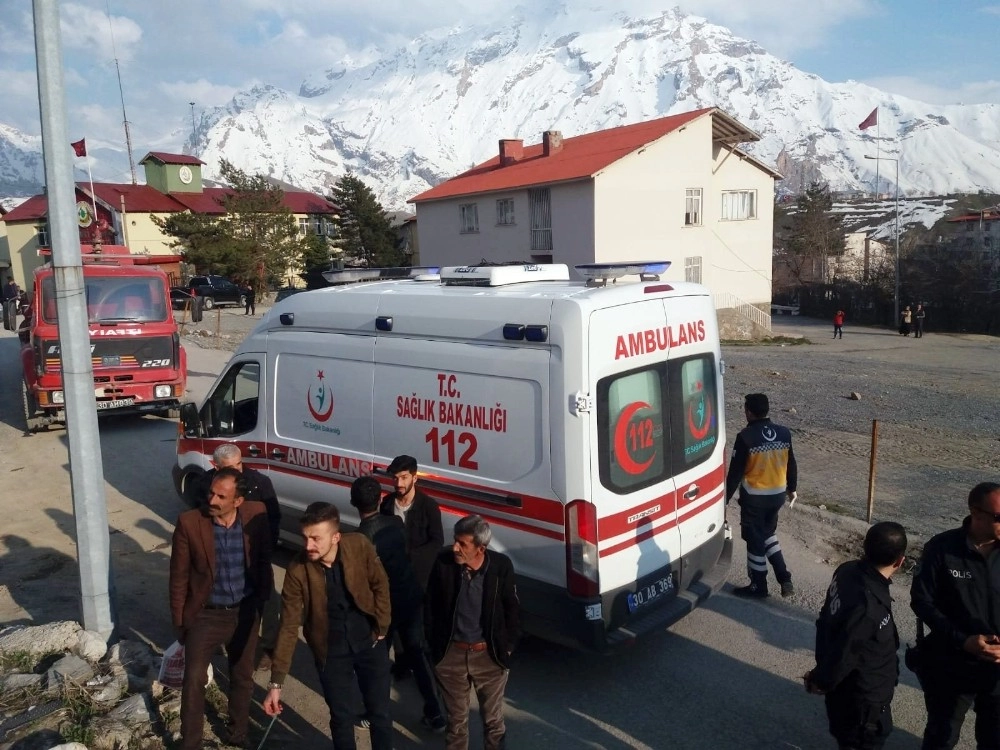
[(173, 52)]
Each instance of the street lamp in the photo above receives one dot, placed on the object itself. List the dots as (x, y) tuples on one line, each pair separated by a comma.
[(896, 294)]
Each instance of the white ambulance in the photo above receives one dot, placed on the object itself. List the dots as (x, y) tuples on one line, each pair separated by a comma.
[(582, 419)]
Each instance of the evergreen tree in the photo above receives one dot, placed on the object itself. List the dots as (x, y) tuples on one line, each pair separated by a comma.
[(364, 230), (812, 233), (316, 258)]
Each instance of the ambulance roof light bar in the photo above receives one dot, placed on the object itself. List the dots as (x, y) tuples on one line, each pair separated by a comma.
[(502, 275), (353, 275), (598, 274)]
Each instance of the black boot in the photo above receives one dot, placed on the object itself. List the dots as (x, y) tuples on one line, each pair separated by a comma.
[(756, 589)]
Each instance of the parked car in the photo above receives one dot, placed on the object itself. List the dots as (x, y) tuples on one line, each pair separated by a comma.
[(287, 291), (213, 290)]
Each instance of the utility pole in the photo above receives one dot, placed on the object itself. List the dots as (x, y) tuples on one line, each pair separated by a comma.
[(93, 541), (194, 128)]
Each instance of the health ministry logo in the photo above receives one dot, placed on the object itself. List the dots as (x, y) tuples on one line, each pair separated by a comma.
[(319, 399)]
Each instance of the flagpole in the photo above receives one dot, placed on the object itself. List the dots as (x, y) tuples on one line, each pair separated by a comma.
[(878, 143), (93, 199)]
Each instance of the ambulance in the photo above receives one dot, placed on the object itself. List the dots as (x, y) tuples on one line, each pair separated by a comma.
[(583, 419)]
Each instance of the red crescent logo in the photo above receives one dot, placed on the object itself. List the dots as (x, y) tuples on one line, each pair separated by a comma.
[(621, 444), (319, 416), (695, 432)]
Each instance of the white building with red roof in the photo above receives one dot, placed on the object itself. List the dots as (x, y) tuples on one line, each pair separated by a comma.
[(125, 214), (675, 188)]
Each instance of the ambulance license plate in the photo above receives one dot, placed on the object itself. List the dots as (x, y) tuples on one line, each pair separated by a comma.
[(117, 403), (650, 592)]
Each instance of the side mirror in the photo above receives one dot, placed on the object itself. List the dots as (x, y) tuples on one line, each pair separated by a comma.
[(190, 420)]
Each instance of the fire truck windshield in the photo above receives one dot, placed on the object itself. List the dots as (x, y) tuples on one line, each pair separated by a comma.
[(111, 299)]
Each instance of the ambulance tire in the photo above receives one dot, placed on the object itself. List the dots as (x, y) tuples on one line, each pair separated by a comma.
[(196, 309)]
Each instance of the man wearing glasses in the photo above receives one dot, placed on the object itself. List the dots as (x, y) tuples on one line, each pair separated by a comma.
[(956, 593)]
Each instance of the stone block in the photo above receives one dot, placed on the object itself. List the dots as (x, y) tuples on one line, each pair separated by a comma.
[(90, 646), (38, 640), (19, 681), (71, 667), (133, 710)]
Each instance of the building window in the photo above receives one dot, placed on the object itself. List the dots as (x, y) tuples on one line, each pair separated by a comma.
[(505, 211), (303, 225), (692, 269), (692, 207), (469, 214), (43, 235), (540, 209), (739, 205)]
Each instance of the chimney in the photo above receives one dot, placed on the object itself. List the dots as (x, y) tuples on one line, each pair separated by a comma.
[(511, 150), (551, 142)]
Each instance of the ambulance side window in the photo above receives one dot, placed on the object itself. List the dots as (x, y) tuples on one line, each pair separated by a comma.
[(630, 419), (232, 407), (694, 410)]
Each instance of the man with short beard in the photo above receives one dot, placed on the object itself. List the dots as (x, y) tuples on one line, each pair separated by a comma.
[(337, 588)]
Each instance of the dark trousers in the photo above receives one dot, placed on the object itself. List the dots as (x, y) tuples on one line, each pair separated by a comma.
[(370, 666), (236, 629), (838, 329), (919, 328), (758, 527), (946, 710), (251, 308), (855, 723), (456, 671), (414, 656)]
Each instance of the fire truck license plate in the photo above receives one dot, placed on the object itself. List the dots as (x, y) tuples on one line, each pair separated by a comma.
[(652, 591), (117, 403)]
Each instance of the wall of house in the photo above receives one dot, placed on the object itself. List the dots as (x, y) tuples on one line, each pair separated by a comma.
[(22, 241), (143, 236), (640, 208)]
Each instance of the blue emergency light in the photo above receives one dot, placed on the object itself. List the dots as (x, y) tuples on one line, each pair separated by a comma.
[(598, 274)]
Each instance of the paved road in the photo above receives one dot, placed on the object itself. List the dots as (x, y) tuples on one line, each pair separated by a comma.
[(725, 677)]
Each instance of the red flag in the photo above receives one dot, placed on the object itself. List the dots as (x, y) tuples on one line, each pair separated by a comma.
[(872, 119), (80, 147)]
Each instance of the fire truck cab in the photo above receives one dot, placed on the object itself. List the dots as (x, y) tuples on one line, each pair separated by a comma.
[(139, 364)]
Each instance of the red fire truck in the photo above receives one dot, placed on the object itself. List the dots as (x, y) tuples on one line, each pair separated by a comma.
[(139, 364)]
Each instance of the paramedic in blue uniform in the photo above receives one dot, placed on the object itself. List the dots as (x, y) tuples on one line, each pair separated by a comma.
[(856, 641), (763, 470), (955, 594)]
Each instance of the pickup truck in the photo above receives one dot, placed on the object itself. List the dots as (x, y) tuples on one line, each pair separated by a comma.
[(213, 290)]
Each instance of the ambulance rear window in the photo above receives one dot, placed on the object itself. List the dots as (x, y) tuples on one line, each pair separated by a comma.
[(656, 422)]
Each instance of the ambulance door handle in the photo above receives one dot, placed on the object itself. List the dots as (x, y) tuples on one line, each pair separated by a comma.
[(277, 453), (253, 450), (692, 493)]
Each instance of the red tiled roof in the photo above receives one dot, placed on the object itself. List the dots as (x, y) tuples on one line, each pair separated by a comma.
[(164, 158), (138, 198), (31, 210), (301, 202), (987, 215), (580, 157)]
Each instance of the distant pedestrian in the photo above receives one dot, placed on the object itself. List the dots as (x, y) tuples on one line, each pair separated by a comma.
[(838, 323), (954, 593), (11, 293), (918, 319), (388, 535), (473, 623), (337, 590), (764, 471), (856, 642), (905, 321), (220, 577), (251, 300)]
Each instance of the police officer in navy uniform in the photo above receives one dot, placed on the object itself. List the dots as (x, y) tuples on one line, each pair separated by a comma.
[(956, 593), (856, 641), (763, 469)]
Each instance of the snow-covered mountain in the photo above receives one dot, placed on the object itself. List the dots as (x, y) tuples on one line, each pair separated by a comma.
[(407, 118), (21, 167)]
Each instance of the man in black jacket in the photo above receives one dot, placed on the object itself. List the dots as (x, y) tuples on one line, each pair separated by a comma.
[(473, 622), (420, 514), (856, 642), (405, 595), (954, 593)]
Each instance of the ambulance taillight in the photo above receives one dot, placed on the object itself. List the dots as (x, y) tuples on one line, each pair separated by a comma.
[(581, 549)]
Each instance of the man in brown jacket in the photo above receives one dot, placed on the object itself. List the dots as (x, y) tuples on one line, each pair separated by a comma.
[(336, 587), (220, 577)]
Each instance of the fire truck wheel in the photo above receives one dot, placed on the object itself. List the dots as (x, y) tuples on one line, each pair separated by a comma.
[(31, 422)]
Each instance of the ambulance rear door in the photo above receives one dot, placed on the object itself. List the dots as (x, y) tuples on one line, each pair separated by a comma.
[(638, 541)]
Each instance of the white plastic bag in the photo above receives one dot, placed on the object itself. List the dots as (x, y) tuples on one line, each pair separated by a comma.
[(172, 667)]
